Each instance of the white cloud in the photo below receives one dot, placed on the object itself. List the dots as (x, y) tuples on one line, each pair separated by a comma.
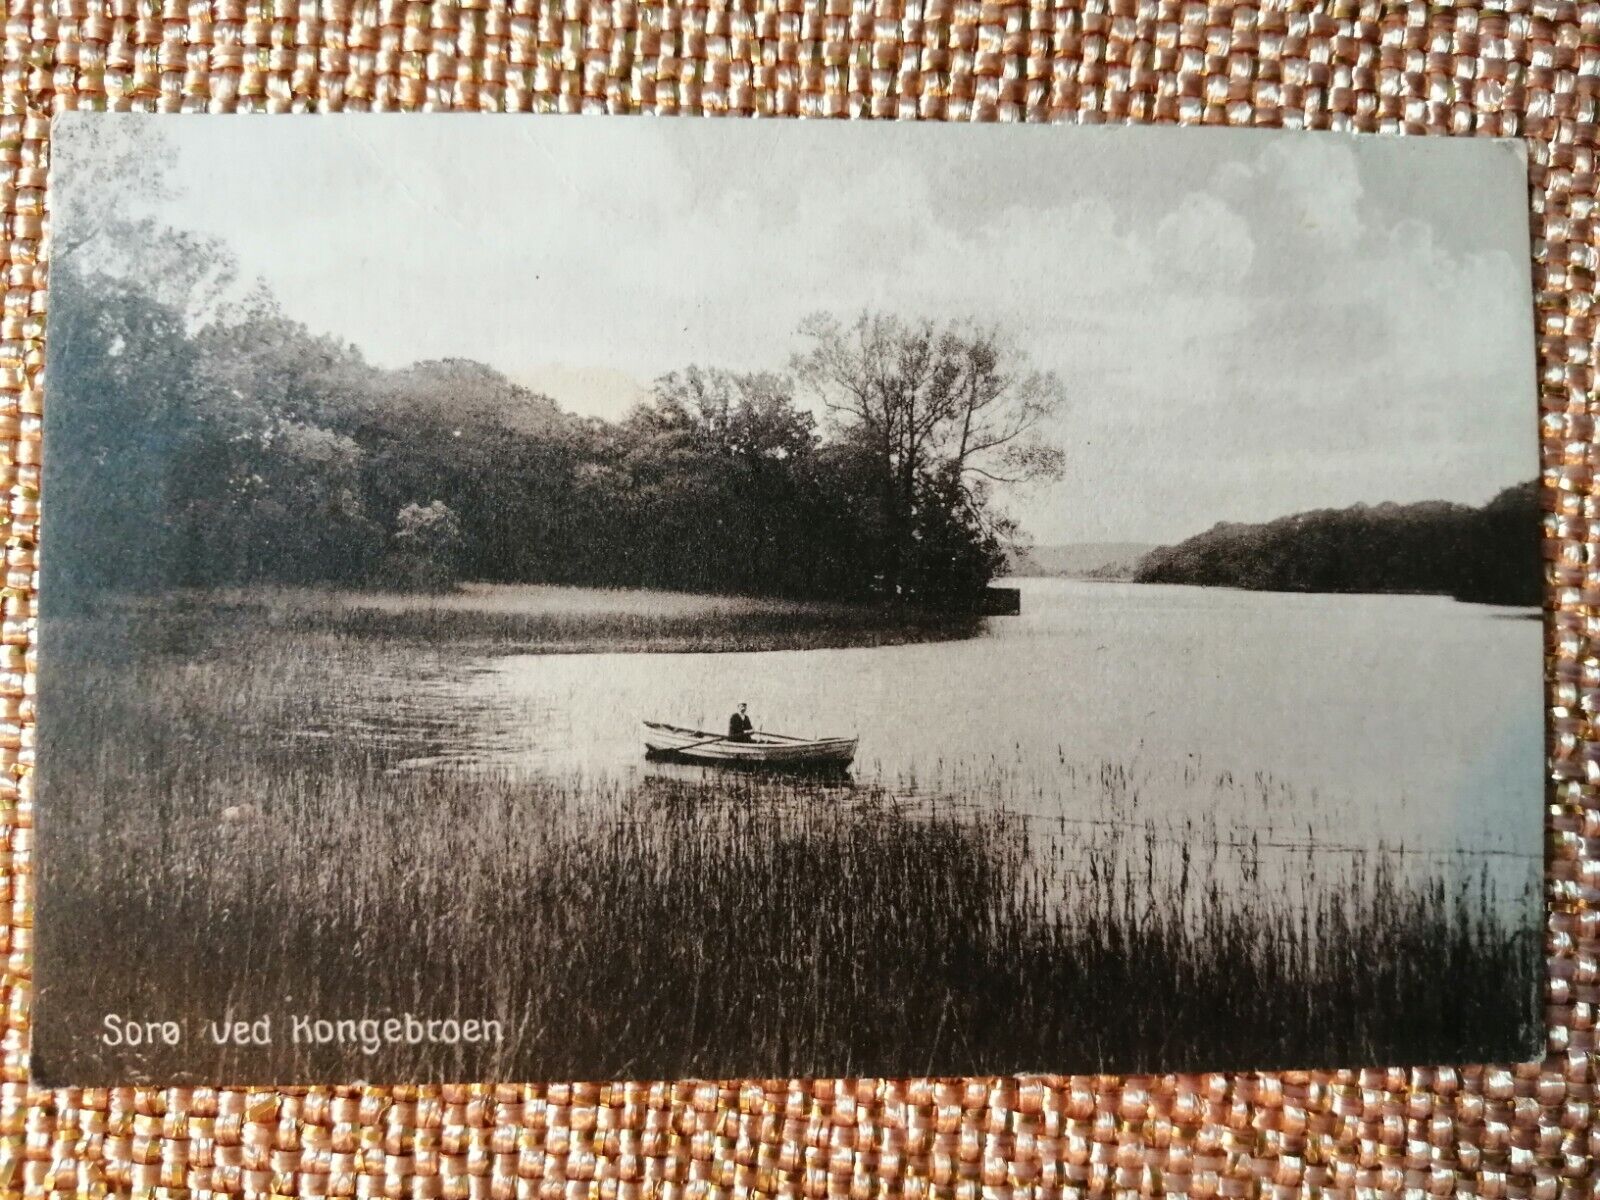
[(1247, 321), (1313, 183)]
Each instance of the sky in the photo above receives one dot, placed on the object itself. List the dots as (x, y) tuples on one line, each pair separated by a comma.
[(1245, 323)]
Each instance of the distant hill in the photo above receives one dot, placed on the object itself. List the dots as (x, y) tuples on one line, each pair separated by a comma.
[(1489, 555), (1081, 560)]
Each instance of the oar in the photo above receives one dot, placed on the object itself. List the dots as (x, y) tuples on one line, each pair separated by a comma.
[(709, 737), (788, 737), (695, 745)]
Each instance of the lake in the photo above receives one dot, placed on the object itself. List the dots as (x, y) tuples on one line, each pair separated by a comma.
[(1288, 721), (1091, 837)]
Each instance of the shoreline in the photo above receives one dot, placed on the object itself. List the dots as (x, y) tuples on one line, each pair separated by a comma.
[(539, 619)]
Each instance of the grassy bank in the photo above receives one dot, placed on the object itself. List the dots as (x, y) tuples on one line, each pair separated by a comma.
[(532, 619), (202, 861), (768, 928)]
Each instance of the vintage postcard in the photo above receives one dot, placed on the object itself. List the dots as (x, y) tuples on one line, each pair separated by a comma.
[(569, 598)]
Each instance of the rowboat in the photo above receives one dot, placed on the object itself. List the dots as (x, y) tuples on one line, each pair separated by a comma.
[(776, 750)]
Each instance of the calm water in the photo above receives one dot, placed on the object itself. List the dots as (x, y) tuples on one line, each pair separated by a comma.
[(1348, 722)]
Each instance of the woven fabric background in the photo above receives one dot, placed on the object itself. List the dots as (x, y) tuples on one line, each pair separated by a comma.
[(1519, 69)]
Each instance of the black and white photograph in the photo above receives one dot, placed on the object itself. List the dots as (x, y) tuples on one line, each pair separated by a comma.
[(582, 598)]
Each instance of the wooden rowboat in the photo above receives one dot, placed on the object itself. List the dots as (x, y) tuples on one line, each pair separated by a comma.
[(775, 750)]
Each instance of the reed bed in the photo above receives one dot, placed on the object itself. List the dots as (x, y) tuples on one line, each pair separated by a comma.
[(714, 927), (529, 619)]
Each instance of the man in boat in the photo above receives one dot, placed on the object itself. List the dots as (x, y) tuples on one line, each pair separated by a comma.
[(740, 725)]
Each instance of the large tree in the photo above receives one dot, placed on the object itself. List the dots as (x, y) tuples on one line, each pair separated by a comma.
[(720, 471), (101, 225), (944, 411)]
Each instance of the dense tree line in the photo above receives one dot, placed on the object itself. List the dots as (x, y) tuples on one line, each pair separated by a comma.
[(1486, 555), (238, 447)]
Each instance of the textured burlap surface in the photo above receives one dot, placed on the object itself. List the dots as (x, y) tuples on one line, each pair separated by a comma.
[(1487, 1131)]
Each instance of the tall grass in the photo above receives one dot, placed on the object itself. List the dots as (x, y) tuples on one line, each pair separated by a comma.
[(672, 926), (526, 619)]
